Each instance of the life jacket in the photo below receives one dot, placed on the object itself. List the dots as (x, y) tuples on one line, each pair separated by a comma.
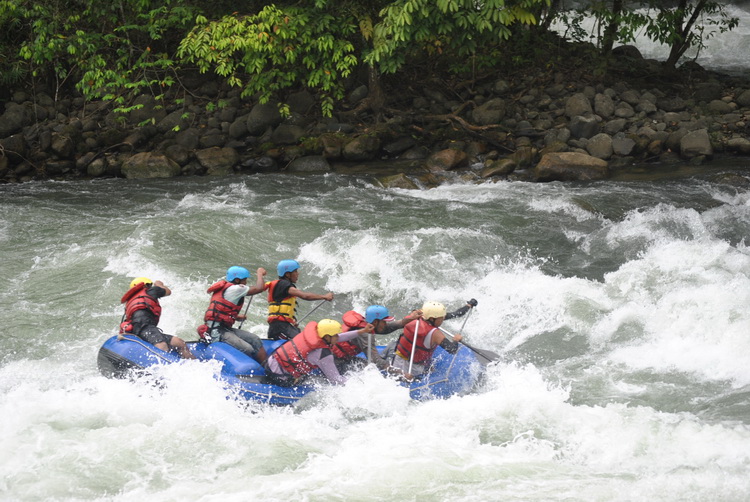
[(219, 308), (136, 299), (292, 356), (284, 310), (347, 350), (406, 341)]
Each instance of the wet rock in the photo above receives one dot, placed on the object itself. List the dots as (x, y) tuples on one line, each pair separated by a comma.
[(600, 146), (570, 166), (150, 165), (261, 117), (218, 161), (400, 180), (447, 159), (491, 112), (14, 119), (696, 143), (499, 167), (364, 147), (577, 105), (14, 147), (309, 164), (743, 99), (739, 145), (287, 134), (583, 126), (604, 106)]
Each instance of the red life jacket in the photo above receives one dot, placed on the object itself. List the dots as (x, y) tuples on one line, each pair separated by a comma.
[(406, 341), (219, 308), (347, 350), (284, 310), (136, 299), (292, 356)]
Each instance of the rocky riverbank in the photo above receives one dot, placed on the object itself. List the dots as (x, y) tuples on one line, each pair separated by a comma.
[(535, 125)]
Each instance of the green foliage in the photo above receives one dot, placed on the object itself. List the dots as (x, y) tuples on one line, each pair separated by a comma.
[(460, 27), (107, 50), (276, 49)]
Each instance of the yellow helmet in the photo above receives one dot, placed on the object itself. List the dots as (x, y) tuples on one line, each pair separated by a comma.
[(432, 310), (145, 280), (328, 327)]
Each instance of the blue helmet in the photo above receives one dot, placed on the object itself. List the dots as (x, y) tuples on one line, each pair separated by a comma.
[(375, 312), (237, 273), (285, 266)]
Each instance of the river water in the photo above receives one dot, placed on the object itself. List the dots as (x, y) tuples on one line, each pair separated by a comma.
[(620, 310)]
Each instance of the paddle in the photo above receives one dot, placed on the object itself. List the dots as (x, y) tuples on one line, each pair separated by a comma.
[(313, 310), (245, 313), (466, 319), (488, 355), (413, 346)]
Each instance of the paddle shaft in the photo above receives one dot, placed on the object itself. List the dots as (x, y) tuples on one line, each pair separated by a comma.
[(413, 346), (313, 310), (245, 313), (486, 354)]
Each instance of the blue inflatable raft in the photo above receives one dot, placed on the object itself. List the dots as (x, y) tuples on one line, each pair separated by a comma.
[(125, 356)]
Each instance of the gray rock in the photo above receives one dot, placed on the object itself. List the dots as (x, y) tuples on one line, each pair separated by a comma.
[(287, 134), (176, 121), (583, 127), (719, 107), (623, 145), (600, 146), (577, 104), (309, 164), (739, 145), (238, 128), (218, 161), (62, 146), (744, 99), (362, 148), (614, 126), (491, 112), (624, 110), (672, 104), (300, 102), (261, 117), (14, 119), (150, 165), (98, 167), (696, 143), (604, 106), (499, 167)]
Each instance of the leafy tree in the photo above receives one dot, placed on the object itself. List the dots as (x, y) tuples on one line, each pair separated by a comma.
[(682, 26), (275, 49)]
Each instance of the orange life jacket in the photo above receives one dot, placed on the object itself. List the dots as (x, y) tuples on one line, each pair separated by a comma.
[(284, 310), (292, 356), (219, 308), (406, 341), (347, 350), (136, 299)]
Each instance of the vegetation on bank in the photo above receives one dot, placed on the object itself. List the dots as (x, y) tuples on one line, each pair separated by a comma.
[(119, 50)]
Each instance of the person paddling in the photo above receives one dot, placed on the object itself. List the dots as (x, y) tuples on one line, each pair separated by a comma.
[(309, 350), (227, 297), (142, 313), (420, 339), (383, 323), (282, 301)]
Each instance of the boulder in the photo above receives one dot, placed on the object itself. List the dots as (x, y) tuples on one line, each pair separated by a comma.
[(604, 106), (398, 181), (600, 146), (491, 112), (309, 164), (577, 104), (447, 159), (743, 99), (696, 143), (364, 147), (218, 161), (150, 165), (499, 167), (739, 145), (570, 166), (261, 117), (583, 126)]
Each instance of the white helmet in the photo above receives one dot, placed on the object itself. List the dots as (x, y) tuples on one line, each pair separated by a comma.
[(432, 310)]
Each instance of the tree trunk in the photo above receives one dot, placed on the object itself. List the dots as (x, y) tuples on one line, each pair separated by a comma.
[(610, 32), (685, 35)]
